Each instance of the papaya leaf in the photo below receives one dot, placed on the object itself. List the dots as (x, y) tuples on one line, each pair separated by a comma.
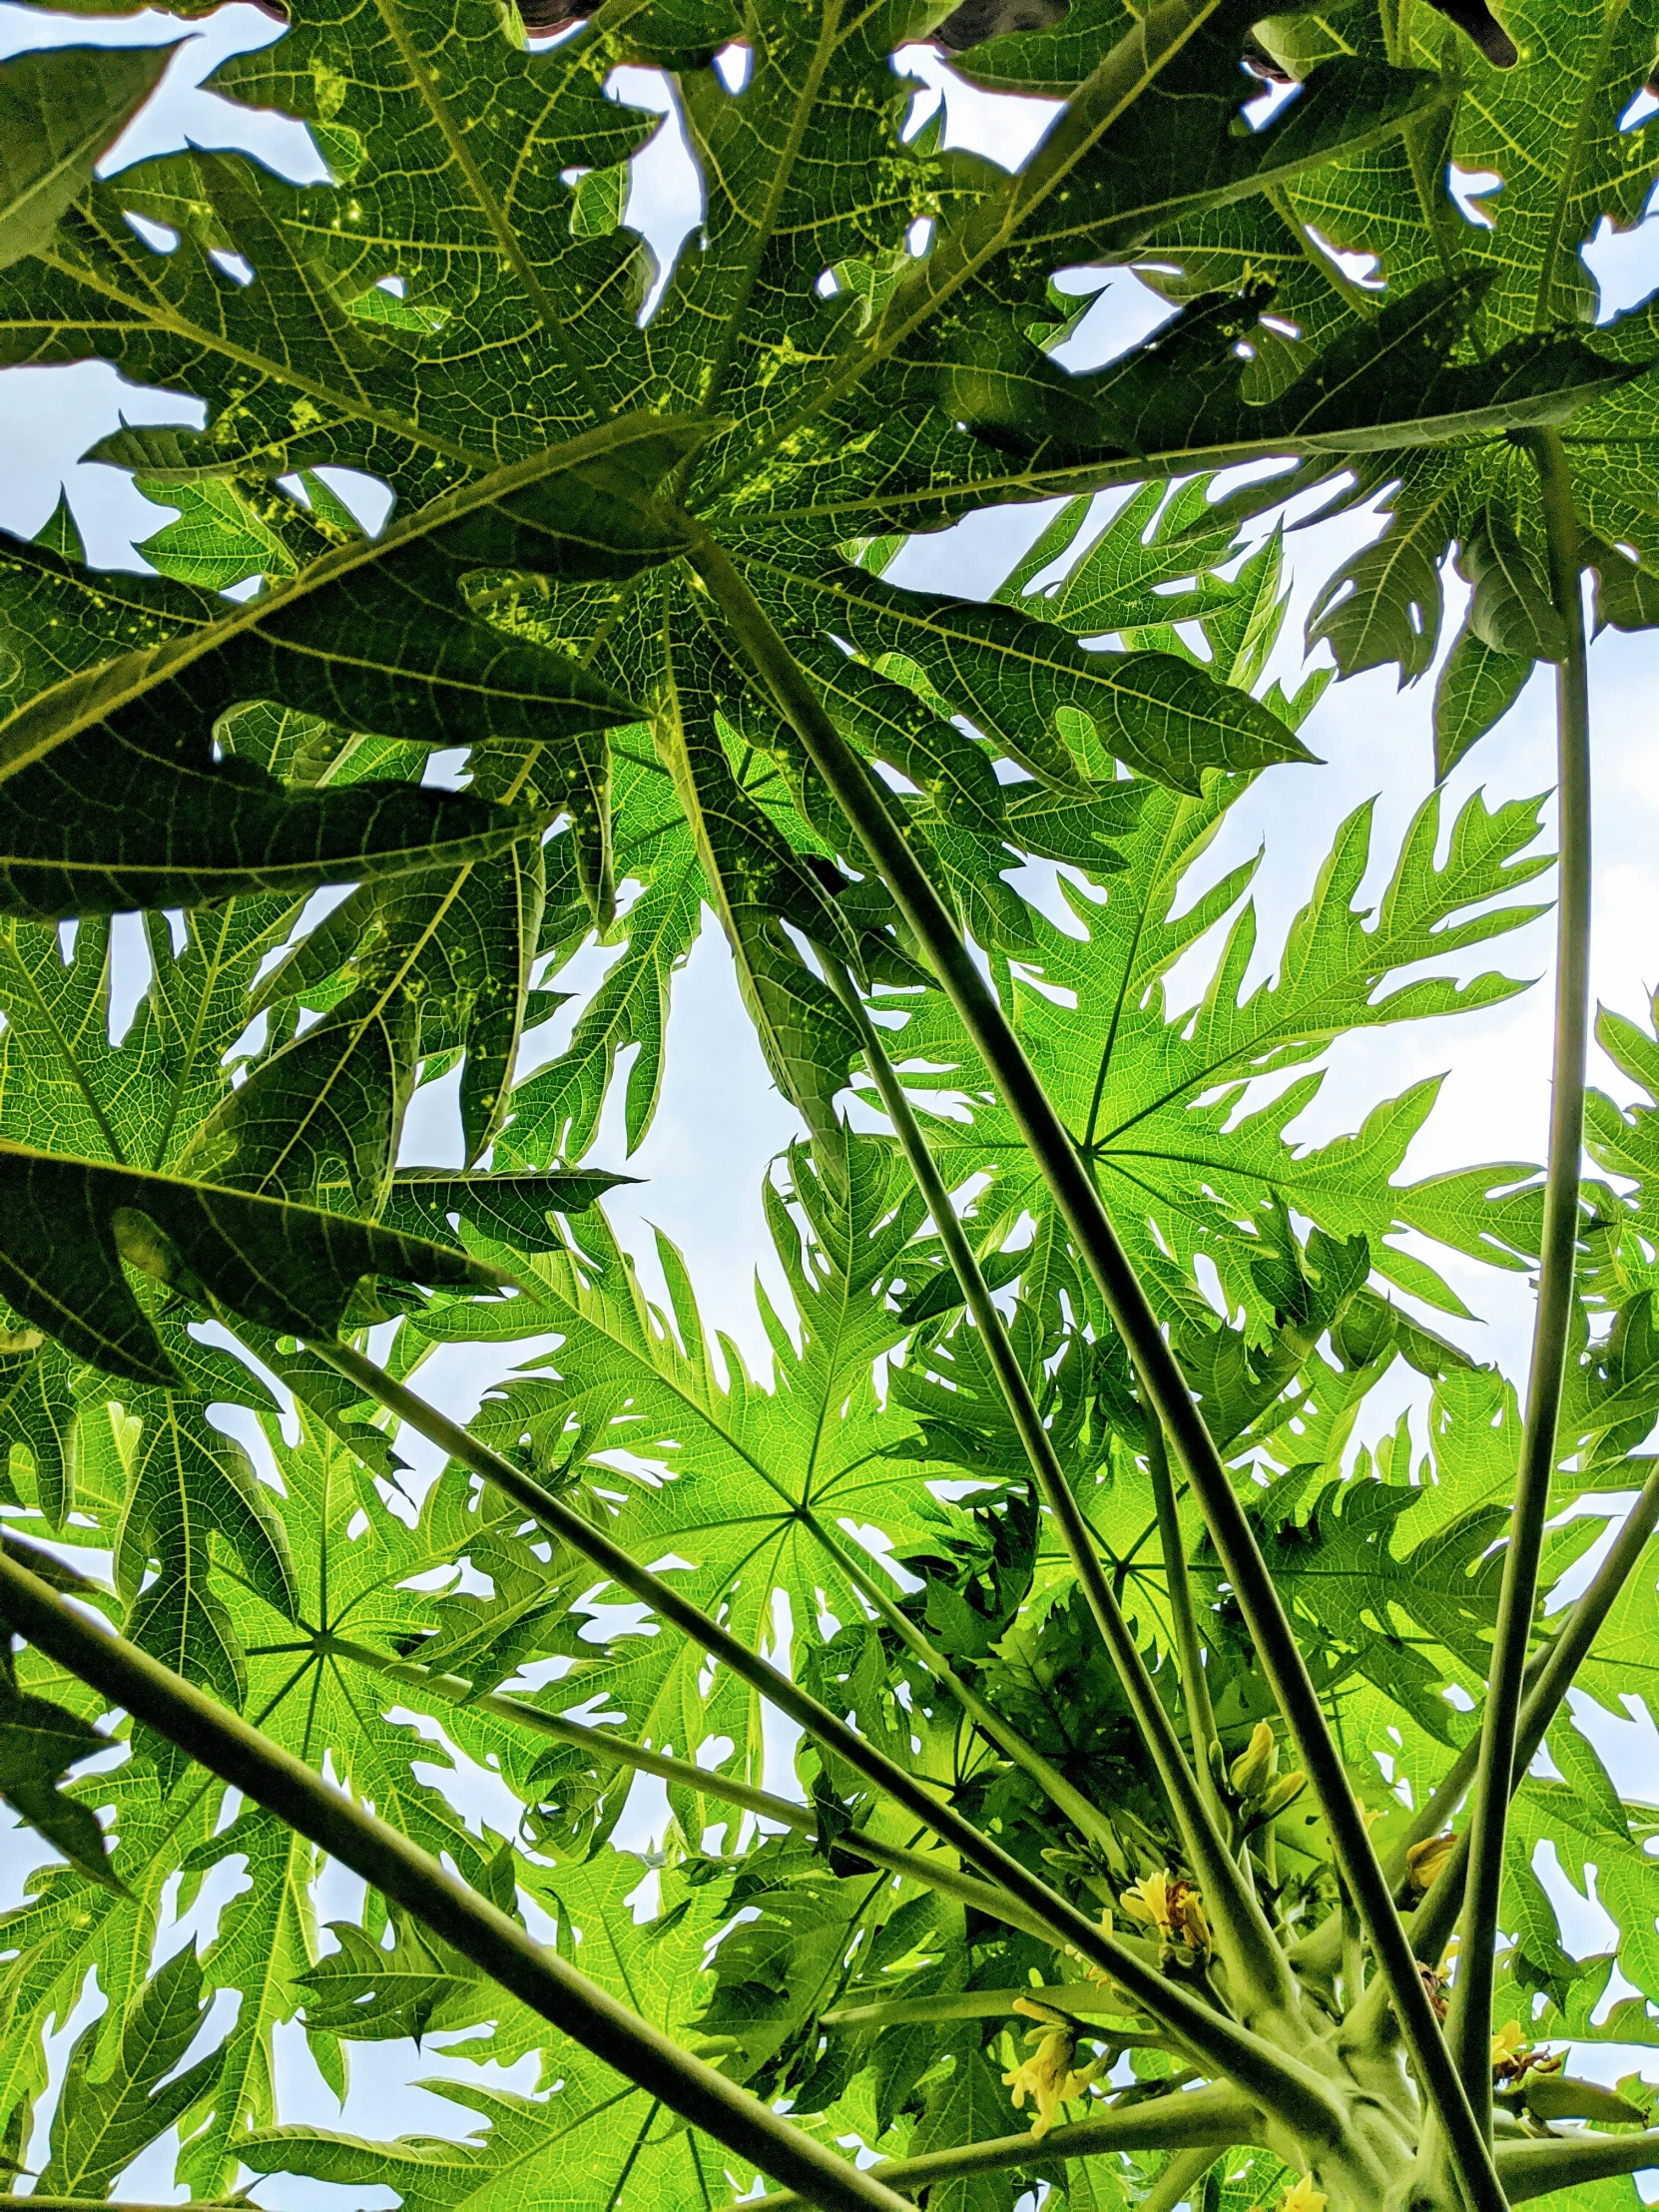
[(70, 1223), (106, 2119), (39, 1742), (512, 1209), (60, 109), (509, 734)]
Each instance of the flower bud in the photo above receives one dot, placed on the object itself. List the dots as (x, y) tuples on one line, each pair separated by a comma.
[(1285, 1792), (1427, 1859), (1253, 1767), (1304, 2197)]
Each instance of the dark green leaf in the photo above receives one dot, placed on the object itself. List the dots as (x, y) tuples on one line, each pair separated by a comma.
[(59, 110), (39, 1742), (69, 1224)]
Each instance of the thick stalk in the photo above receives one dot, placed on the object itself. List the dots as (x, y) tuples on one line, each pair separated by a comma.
[(1195, 1683), (1179, 2179), (868, 811), (1469, 2027), (1259, 1977), (1190, 2119), (1280, 2083), (1536, 2169), (1436, 1916), (227, 1746)]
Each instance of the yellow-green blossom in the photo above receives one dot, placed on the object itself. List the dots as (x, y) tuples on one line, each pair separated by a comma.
[(1049, 2077)]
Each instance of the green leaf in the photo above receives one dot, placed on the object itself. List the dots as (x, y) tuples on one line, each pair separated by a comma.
[(215, 540), (1011, 676), (861, 343), (178, 829), (968, 2104), (68, 1225), (370, 1991), (514, 1209), (756, 883), (1627, 595), (1384, 603), (593, 2135), (39, 1742), (1158, 1098), (1511, 611), (1173, 405), (60, 109), (1477, 687), (104, 2120), (264, 1944)]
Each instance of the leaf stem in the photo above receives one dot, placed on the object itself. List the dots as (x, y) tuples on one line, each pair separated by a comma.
[(1279, 2082), (224, 1744), (1188, 2119), (1194, 1681), (991, 2004), (930, 1869), (1537, 2170), (1260, 1977), (868, 811), (1179, 2179), (1432, 1927), (1469, 2026), (602, 1742)]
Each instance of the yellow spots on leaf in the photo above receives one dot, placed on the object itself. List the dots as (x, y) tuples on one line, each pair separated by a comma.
[(328, 90)]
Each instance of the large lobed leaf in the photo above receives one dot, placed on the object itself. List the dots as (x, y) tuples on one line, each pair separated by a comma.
[(458, 313)]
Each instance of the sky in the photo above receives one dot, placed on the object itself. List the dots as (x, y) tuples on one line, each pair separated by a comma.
[(720, 1121)]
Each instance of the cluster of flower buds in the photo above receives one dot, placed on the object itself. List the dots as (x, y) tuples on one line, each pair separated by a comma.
[(1050, 2077), (1262, 1791), (1170, 1904)]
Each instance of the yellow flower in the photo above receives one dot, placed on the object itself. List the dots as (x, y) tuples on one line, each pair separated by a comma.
[(1047, 2077), (1303, 2198), (1514, 2058), (1427, 1859), (1170, 1904), (1254, 1766), (1147, 1901), (1284, 1792)]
